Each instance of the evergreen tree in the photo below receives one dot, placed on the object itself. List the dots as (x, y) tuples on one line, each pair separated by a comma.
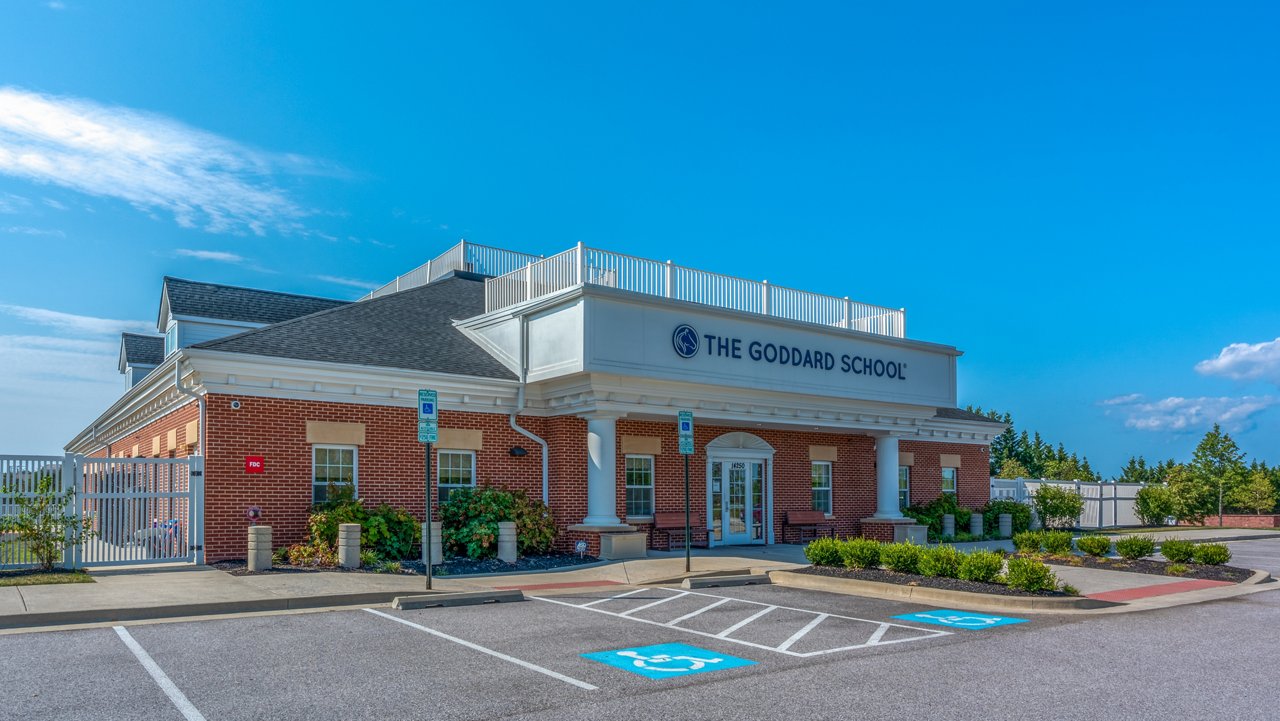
[(1137, 471), (1219, 464)]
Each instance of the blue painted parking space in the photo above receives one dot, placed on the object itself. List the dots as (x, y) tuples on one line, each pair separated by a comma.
[(668, 660), (960, 619)]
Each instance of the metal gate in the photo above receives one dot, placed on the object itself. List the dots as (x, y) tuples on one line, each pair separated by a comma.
[(139, 510)]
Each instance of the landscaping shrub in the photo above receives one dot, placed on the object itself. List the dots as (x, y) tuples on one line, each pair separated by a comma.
[(314, 553), (1057, 507), (943, 561), (1094, 545), (900, 557), (389, 532), (280, 557), (1154, 505), (369, 559), (39, 517), (860, 553), (1176, 569), (1177, 550), (1057, 543), (1135, 547), (1028, 541), (1212, 554), (930, 514), (983, 566), (1020, 513), (1028, 574), (824, 552), (469, 522)]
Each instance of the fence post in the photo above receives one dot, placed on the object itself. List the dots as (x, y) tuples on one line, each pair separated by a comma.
[(67, 480), (581, 269), (848, 313), (195, 489), (765, 296), (670, 280)]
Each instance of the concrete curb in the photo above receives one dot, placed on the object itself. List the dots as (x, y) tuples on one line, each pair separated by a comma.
[(530, 572), (469, 598), (145, 613), (720, 581), (921, 594)]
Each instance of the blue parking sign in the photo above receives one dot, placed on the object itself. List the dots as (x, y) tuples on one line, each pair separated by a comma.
[(960, 619), (668, 660)]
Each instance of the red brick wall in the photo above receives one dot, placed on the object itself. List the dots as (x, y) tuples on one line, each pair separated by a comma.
[(973, 482), (176, 419), (390, 467), (1239, 520)]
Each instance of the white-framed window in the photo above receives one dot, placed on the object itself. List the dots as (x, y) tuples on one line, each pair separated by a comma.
[(455, 469), (638, 472), (904, 487), (820, 485), (171, 340), (949, 476), (333, 472)]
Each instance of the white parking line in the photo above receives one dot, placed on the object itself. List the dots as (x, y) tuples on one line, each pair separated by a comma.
[(179, 699), (496, 654), (658, 602), (876, 637)]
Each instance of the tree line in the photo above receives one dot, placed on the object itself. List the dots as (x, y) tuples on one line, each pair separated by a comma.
[(1027, 455)]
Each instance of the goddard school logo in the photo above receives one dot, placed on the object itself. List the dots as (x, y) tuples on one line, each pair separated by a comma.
[(685, 340)]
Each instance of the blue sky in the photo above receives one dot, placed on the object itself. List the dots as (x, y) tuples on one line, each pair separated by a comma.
[(1081, 198)]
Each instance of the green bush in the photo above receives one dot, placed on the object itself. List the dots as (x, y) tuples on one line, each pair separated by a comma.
[(824, 552), (1058, 507), (1020, 514), (369, 558), (982, 566), (388, 532), (1154, 505), (943, 561), (860, 553), (1176, 569), (1028, 541), (1212, 554), (1028, 574), (900, 557), (313, 553), (40, 519), (1057, 543), (1135, 547), (1177, 550), (469, 522), (1094, 545), (280, 557), (930, 514)]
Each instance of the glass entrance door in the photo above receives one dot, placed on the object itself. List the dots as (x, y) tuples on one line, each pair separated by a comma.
[(737, 502)]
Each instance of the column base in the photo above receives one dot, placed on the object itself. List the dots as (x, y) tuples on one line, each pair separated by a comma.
[(593, 534), (894, 529)]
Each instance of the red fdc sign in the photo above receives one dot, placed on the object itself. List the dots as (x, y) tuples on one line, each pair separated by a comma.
[(253, 464)]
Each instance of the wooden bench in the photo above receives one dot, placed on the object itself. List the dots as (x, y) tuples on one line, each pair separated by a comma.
[(673, 523), (815, 523)]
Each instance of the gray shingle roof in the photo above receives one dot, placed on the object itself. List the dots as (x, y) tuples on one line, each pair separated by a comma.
[(957, 414), (143, 349), (229, 302), (411, 330)]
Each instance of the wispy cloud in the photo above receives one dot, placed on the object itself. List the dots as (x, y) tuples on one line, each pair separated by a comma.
[(53, 204), (56, 5), (28, 230), (1121, 400), (220, 256), (60, 382), (155, 163), (1245, 362), (10, 203), (1190, 414), (349, 282), (83, 324)]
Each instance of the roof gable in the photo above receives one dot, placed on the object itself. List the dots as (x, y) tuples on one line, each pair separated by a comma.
[(233, 303), (137, 349)]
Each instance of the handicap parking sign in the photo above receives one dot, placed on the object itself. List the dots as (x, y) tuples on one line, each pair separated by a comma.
[(668, 660), (960, 619)]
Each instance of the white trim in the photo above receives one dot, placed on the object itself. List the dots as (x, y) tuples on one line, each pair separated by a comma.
[(955, 481), (653, 480), (741, 446), (831, 502), (439, 466), (901, 505), (355, 466)]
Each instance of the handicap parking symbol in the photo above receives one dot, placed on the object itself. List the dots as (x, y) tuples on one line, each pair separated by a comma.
[(960, 619), (667, 660)]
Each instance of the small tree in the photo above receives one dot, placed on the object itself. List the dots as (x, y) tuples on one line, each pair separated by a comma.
[(1057, 507), (1154, 504), (42, 522), (1192, 495), (1255, 494), (1013, 468)]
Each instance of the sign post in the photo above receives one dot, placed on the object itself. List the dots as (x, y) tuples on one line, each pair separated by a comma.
[(428, 433), (685, 422)]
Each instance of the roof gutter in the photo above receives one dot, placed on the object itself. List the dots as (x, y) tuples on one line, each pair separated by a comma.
[(177, 383), (524, 376)]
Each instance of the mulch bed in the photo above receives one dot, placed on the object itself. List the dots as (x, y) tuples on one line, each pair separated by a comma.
[(911, 579), (451, 567), (1153, 567)]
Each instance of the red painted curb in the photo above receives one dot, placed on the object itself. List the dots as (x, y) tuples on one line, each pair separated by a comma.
[(1162, 589)]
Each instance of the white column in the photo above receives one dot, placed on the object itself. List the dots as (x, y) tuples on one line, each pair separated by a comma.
[(887, 478), (602, 472)]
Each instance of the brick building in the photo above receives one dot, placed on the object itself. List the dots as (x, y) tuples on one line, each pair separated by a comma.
[(561, 377)]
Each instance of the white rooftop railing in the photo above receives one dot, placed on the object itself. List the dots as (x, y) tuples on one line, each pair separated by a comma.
[(470, 257), (589, 266)]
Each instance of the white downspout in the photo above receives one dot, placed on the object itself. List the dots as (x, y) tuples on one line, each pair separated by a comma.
[(177, 383), (524, 375)]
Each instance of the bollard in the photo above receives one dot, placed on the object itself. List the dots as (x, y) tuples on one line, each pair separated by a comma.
[(507, 541), (1006, 525), (259, 548), (975, 525), (349, 545), (948, 525), (437, 539)]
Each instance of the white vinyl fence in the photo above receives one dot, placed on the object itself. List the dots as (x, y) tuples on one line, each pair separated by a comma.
[(1106, 505), (140, 510)]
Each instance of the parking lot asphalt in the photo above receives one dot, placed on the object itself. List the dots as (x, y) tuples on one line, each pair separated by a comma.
[(793, 653)]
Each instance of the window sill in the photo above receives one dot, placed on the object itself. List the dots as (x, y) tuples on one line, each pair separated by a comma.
[(639, 519)]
